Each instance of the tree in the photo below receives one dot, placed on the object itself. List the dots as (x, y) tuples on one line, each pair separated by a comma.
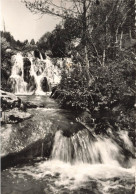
[(73, 28), (58, 42), (26, 42), (44, 42), (19, 44), (6, 53), (108, 23), (77, 9), (32, 42), (4, 46)]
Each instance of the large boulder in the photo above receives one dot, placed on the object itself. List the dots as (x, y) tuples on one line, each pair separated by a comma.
[(40, 148), (13, 110), (9, 100), (14, 116)]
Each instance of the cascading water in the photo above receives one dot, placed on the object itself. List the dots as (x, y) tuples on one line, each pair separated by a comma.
[(17, 74), (80, 162), (84, 148), (39, 70), (37, 78), (44, 69), (85, 157)]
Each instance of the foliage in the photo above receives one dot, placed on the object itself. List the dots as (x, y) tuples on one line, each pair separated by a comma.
[(32, 42), (110, 84), (110, 98), (101, 25), (4, 46), (60, 40), (9, 38), (6, 54), (44, 43)]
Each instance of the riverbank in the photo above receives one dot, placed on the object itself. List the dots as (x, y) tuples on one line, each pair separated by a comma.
[(53, 148), (101, 117)]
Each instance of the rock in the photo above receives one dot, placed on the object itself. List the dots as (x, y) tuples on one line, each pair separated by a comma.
[(9, 100), (13, 109), (27, 67), (44, 85), (14, 116), (37, 54), (43, 55), (8, 95), (29, 153), (30, 105), (31, 85), (11, 84)]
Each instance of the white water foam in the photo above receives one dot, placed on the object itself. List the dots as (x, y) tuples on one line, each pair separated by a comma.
[(40, 69), (81, 148), (75, 176)]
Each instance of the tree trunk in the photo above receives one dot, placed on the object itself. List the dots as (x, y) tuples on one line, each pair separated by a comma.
[(84, 20), (104, 51), (103, 58), (121, 37), (86, 57), (116, 37), (130, 34)]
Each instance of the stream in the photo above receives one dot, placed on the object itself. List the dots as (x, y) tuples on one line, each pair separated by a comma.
[(79, 163)]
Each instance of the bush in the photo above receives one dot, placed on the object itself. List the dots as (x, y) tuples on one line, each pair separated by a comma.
[(110, 95)]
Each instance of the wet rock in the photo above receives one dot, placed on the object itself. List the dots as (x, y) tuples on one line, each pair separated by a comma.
[(13, 109), (14, 116), (9, 100), (14, 119), (37, 54), (122, 190), (42, 147), (43, 55), (27, 66), (31, 85), (44, 85), (30, 105), (11, 84)]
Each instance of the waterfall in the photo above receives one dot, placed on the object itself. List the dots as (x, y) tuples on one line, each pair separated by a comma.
[(37, 78), (82, 164), (40, 70), (82, 148), (17, 74)]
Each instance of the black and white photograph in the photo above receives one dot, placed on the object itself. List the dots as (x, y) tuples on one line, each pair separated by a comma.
[(67, 93)]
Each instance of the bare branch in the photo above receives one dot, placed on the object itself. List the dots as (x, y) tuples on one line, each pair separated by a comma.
[(77, 7)]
